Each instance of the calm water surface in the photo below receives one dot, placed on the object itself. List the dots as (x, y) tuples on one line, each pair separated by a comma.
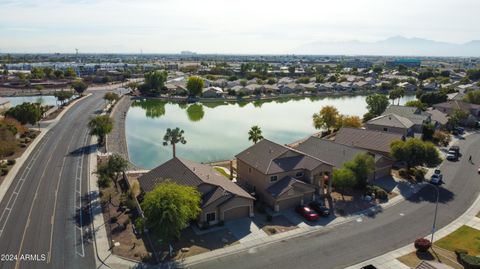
[(218, 131), (43, 99)]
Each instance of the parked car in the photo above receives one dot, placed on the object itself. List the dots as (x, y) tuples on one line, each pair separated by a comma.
[(307, 213), (452, 155), (319, 208), (478, 170), (455, 149), (436, 179), (370, 266)]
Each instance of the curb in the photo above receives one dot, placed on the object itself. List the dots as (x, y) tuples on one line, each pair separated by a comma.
[(21, 160)]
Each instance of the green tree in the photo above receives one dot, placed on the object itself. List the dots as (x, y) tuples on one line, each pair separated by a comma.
[(377, 69), (326, 118), (79, 86), (116, 165), (457, 117), (348, 121), (100, 126), (172, 137), (37, 73), (428, 130), (62, 96), (362, 166), (132, 85), (342, 179), (195, 85), (413, 152), (111, 97), (169, 208), (58, 74), (417, 104), (377, 103), (291, 69), (25, 113), (154, 83), (431, 98), (70, 73), (255, 134), (319, 78), (473, 97)]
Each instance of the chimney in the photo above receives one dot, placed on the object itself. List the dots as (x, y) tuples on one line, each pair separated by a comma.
[(231, 170)]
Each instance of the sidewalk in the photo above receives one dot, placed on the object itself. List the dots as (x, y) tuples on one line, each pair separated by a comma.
[(21, 160), (389, 260)]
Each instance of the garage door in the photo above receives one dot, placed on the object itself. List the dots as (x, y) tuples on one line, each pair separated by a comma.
[(236, 213), (289, 203)]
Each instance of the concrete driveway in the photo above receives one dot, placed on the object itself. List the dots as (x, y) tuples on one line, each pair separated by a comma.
[(245, 229)]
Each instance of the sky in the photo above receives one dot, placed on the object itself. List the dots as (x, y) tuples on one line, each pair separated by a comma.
[(224, 26)]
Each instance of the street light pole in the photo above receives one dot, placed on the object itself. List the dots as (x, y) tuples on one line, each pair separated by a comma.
[(436, 209)]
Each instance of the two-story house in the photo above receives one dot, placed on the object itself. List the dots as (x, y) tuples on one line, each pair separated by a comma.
[(281, 176)]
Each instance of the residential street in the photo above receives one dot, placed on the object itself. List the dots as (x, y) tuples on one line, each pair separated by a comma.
[(368, 237), (40, 211)]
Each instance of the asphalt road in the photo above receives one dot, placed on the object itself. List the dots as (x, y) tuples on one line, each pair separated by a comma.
[(368, 237), (41, 224)]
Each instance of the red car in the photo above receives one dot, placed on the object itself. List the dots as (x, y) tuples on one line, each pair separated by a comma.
[(307, 213)]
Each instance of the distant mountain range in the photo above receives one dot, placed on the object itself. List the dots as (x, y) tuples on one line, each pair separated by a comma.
[(397, 45)]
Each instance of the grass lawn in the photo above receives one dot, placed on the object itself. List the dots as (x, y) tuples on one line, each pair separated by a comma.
[(465, 237), (446, 257), (221, 171)]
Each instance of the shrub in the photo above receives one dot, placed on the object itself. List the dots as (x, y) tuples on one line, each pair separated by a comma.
[(381, 194), (11, 162), (140, 224), (403, 172), (422, 244), (469, 262), (4, 171), (418, 174), (103, 182)]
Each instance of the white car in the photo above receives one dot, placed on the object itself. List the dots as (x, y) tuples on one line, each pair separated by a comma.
[(436, 179)]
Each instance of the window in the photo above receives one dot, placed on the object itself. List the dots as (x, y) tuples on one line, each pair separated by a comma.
[(385, 129), (211, 217), (249, 170), (273, 178), (299, 174)]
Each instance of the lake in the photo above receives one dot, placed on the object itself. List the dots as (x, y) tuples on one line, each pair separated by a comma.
[(43, 99), (218, 131)]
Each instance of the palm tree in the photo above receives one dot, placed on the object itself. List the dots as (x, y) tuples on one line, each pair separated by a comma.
[(174, 136), (255, 134)]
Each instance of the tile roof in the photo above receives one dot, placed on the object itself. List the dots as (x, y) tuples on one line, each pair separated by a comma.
[(392, 120), (185, 172), (287, 184), (412, 113), (366, 139), (457, 104), (267, 157), (334, 153), (438, 116)]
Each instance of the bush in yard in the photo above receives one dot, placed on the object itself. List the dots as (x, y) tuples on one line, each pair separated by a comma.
[(11, 162), (381, 194), (468, 261), (4, 171), (418, 173), (403, 172), (422, 244), (140, 224)]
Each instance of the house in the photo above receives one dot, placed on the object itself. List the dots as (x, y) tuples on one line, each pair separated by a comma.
[(338, 154), (270, 88), (439, 118), (407, 86), (242, 90), (414, 114), (392, 123), (287, 88), (377, 142), (432, 86), (222, 200), (176, 88), (221, 82), (212, 92), (360, 85), (343, 86), (450, 106), (281, 176)]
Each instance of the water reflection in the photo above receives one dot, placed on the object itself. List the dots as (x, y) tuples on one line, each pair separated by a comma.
[(195, 112), (153, 108)]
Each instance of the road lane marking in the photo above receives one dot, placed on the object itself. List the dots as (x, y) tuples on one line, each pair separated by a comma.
[(4, 218), (33, 203), (56, 197), (78, 197)]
